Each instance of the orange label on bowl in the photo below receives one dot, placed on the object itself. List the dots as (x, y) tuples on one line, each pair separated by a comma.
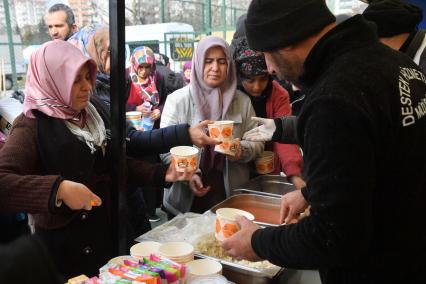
[(194, 162), (226, 132), (217, 226), (229, 230), (225, 145), (182, 163), (214, 132)]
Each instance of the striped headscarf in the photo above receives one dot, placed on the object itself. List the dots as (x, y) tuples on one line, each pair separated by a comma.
[(51, 74)]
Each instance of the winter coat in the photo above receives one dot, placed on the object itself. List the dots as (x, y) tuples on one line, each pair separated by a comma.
[(180, 108), (38, 155), (363, 133)]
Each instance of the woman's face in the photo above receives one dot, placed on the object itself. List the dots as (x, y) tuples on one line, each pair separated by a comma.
[(255, 85), (215, 67), (144, 70), (187, 74), (81, 89)]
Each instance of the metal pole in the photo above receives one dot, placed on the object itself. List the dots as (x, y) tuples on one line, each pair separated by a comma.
[(162, 14), (209, 17), (117, 93), (223, 15), (10, 40)]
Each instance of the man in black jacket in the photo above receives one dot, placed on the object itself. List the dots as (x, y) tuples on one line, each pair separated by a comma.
[(397, 23), (363, 131)]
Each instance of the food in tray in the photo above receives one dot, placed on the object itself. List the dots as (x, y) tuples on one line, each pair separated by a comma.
[(209, 246)]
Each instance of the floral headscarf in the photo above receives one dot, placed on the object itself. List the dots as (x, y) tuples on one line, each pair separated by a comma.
[(249, 62), (148, 89), (50, 79)]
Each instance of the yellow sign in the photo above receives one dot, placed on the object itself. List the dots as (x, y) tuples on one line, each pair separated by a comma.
[(184, 48)]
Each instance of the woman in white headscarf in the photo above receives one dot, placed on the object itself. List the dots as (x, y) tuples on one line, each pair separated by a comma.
[(211, 94)]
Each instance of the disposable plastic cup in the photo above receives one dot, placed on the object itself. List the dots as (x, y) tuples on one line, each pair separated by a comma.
[(185, 158), (221, 129), (135, 118), (226, 224)]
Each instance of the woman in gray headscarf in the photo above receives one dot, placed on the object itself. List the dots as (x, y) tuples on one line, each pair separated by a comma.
[(212, 95)]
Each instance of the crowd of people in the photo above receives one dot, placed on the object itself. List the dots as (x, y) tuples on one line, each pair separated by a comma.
[(350, 95)]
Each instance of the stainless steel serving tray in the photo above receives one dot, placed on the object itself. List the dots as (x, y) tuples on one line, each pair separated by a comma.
[(269, 185), (243, 274), (266, 209)]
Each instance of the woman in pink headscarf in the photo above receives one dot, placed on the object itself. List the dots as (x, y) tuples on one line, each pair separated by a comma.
[(55, 164), (211, 94)]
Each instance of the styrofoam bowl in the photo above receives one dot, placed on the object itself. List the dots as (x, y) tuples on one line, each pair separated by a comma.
[(221, 129), (185, 158), (176, 249), (205, 266), (226, 225), (144, 249)]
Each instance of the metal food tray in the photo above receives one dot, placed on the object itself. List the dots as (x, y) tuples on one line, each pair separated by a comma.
[(266, 209), (232, 271), (269, 185), (238, 273)]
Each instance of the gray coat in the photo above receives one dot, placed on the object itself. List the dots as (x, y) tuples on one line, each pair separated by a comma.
[(180, 108)]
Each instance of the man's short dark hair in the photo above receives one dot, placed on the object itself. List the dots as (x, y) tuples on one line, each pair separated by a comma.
[(68, 11)]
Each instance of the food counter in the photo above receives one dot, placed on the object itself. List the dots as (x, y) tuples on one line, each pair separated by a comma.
[(198, 229)]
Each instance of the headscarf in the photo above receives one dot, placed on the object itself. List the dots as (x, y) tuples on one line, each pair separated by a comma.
[(81, 38), (140, 56), (212, 103), (98, 48), (51, 74), (186, 66), (249, 62)]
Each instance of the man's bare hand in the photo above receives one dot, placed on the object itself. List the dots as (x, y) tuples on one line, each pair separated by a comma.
[(292, 204), (198, 134), (239, 245)]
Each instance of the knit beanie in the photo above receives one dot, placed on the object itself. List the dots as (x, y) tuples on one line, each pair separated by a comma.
[(273, 24), (393, 17)]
